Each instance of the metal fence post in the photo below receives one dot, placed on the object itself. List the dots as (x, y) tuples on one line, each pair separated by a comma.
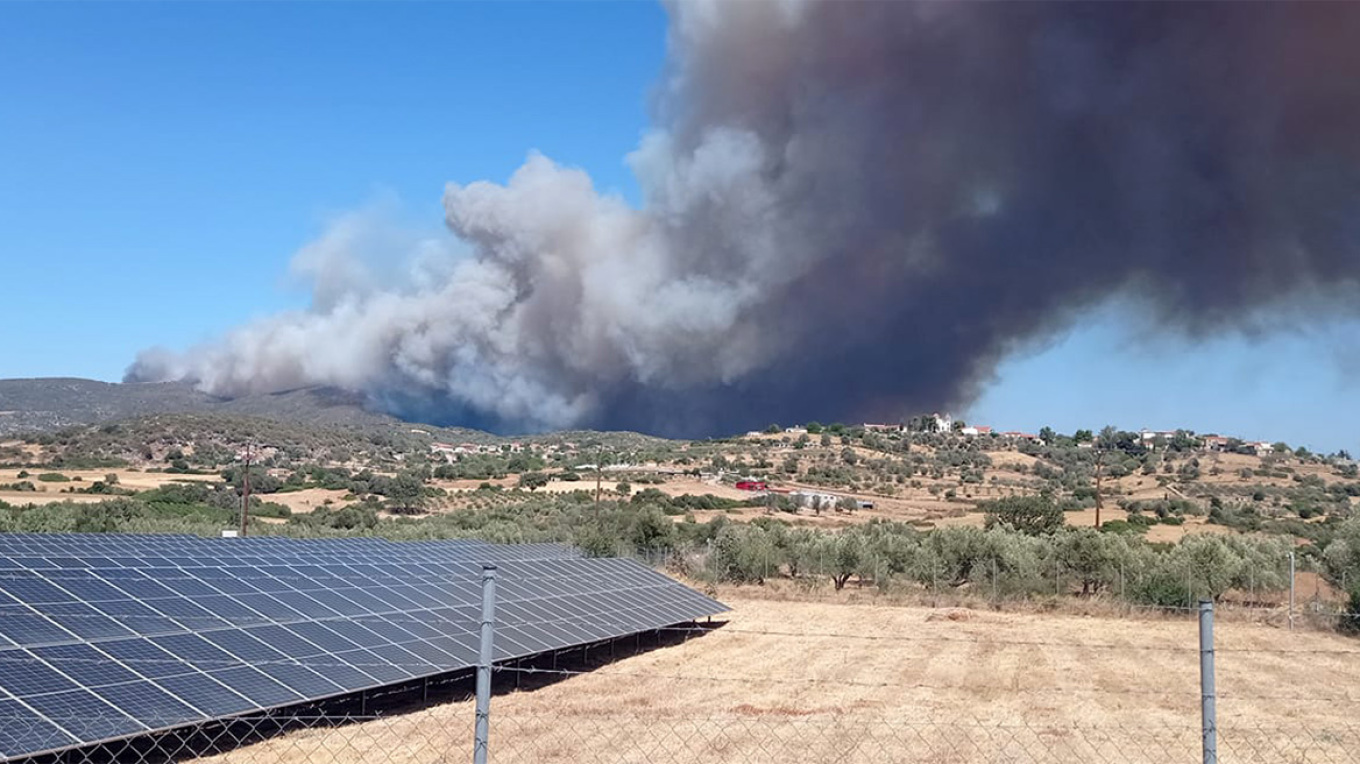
[(484, 659), (1291, 591), (1123, 589), (995, 599), (1208, 714)]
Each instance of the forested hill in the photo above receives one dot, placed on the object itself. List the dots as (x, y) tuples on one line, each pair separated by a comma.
[(47, 404)]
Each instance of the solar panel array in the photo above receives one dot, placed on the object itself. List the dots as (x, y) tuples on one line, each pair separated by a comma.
[(105, 636)]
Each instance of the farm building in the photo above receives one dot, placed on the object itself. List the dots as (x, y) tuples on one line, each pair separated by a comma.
[(815, 499)]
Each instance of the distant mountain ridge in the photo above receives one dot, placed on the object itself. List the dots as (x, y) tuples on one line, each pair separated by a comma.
[(45, 404)]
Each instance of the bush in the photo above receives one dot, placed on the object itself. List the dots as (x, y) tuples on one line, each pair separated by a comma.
[(1162, 587), (532, 480), (652, 530), (1350, 620), (269, 509), (1122, 526), (53, 477)]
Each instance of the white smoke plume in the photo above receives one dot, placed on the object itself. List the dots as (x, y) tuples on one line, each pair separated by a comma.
[(854, 209)]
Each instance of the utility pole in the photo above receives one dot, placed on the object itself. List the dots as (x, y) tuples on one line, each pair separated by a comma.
[(245, 494), (1291, 591), (1100, 459), (599, 469)]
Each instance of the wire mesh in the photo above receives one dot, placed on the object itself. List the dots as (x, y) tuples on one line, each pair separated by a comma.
[(623, 736)]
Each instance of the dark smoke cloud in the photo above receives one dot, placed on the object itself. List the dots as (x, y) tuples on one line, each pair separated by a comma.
[(855, 209)]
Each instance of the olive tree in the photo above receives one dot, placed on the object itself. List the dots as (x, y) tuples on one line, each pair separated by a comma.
[(1097, 559), (1033, 515)]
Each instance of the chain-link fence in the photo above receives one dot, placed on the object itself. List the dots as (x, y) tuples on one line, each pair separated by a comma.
[(898, 685), (633, 737), (828, 739)]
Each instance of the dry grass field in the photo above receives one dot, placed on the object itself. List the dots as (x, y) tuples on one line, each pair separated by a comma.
[(838, 682), (24, 498), (47, 493)]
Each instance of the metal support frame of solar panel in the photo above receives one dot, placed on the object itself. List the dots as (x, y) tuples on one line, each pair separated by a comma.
[(159, 644)]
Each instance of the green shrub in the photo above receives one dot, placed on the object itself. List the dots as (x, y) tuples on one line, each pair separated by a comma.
[(1123, 526), (1161, 587), (269, 509), (53, 477), (1350, 620)]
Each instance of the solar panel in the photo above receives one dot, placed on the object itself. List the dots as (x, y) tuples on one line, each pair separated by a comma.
[(109, 636)]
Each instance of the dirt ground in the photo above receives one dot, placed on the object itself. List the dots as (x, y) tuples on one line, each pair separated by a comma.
[(471, 485), (306, 500), (820, 682), (693, 485)]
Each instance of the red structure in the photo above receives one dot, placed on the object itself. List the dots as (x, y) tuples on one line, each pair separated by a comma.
[(751, 485)]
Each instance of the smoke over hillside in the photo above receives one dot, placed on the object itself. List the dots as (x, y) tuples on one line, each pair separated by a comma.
[(855, 210)]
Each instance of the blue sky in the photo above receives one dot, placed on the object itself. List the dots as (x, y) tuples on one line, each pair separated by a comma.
[(162, 162)]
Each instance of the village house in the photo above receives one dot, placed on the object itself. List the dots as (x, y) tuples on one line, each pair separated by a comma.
[(1149, 437), (1215, 442), (882, 427), (446, 450)]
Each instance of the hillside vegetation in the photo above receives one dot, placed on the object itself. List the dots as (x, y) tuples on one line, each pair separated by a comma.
[(986, 516)]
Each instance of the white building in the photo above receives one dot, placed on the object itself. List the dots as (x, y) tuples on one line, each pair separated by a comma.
[(882, 427), (815, 499)]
